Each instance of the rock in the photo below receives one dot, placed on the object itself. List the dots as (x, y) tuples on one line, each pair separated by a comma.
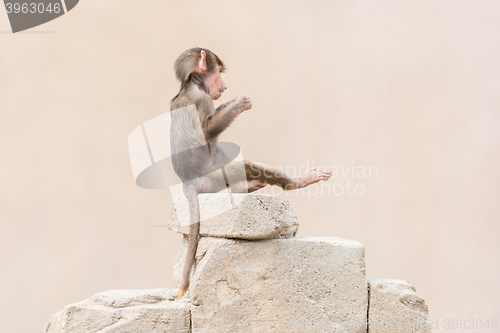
[(124, 311), (251, 275), (396, 307), (253, 216), (277, 285)]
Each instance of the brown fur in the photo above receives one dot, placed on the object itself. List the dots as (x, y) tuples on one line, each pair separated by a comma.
[(195, 168)]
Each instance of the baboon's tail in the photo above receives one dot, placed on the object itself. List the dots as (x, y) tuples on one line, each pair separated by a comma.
[(194, 230)]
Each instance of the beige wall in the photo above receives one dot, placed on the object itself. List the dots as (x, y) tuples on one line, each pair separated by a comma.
[(411, 87)]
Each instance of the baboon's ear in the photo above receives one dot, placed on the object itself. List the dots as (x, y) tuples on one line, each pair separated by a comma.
[(202, 65)]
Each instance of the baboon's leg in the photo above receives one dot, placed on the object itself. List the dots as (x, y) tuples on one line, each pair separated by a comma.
[(191, 193), (258, 174), (254, 173), (247, 176), (266, 174)]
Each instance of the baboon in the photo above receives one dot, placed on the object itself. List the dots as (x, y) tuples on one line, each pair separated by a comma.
[(195, 152)]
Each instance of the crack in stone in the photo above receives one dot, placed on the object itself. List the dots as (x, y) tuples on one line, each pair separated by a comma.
[(262, 203), (368, 309)]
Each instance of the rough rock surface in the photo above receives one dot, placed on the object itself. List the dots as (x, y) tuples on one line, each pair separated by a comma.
[(251, 275), (124, 311), (253, 216), (396, 307), (277, 285)]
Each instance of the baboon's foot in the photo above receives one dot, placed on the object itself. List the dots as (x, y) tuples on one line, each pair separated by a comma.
[(181, 293), (312, 177)]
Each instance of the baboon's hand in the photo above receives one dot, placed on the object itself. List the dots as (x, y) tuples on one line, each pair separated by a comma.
[(243, 102)]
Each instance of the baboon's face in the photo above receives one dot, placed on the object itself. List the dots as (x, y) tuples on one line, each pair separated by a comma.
[(214, 83)]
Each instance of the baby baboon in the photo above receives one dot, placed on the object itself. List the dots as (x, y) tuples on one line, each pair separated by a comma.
[(195, 152)]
